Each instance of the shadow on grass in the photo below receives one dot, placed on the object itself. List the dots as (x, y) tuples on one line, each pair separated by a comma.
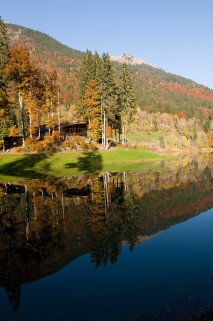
[(39, 165), (90, 162), (25, 166)]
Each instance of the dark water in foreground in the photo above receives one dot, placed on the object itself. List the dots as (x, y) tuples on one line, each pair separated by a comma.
[(113, 246)]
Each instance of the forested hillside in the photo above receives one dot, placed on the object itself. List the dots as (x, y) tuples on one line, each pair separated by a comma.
[(66, 61), (42, 41), (156, 90), (160, 91), (172, 94), (166, 102)]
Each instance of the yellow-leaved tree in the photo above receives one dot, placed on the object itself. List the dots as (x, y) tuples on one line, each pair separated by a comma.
[(18, 70), (49, 107), (92, 105)]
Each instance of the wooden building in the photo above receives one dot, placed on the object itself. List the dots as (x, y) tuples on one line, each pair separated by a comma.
[(74, 128)]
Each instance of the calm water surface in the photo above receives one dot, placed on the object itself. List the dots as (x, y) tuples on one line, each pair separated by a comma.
[(115, 246)]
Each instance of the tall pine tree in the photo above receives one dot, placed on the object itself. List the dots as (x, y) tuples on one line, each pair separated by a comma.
[(118, 103), (86, 73), (109, 94), (3, 50), (127, 99), (4, 101)]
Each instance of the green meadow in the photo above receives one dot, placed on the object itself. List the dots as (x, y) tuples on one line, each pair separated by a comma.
[(14, 166)]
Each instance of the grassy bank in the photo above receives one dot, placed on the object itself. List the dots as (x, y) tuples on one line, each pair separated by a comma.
[(60, 164)]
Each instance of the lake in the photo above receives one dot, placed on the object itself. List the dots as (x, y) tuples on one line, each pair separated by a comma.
[(114, 246)]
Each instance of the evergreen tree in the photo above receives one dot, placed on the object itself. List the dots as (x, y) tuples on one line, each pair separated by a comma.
[(3, 51), (97, 67), (194, 135), (102, 71), (109, 94), (86, 73), (162, 145), (4, 101), (206, 126), (90, 69), (127, 99)]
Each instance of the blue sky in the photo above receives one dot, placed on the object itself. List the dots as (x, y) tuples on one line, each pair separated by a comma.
[(174, 35)]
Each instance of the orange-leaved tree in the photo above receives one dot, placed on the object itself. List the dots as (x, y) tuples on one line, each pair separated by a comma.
[(92, 105), (34, 95), (210, 138), (49, 107), (31, 107), (18, 70)]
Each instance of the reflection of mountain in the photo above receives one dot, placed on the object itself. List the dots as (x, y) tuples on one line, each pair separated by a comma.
[(45, 224)]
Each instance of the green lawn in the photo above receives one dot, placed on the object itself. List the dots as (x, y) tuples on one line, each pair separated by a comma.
[(65, 164), (141, 137)]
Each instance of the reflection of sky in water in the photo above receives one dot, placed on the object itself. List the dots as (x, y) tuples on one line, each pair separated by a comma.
[(166, 277)]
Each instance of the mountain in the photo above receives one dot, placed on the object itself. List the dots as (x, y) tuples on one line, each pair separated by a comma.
[(65, 60), (41, 40), (129, 60), (157, 91)]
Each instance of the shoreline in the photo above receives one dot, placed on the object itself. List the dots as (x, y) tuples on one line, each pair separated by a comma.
[(34, 165), (60, 164)]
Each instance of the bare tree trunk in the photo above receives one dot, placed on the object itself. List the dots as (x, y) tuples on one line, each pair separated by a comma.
[(27, 228), (51, 102), (106, 138), (34, 205), (102, 126), (5, 188), (62, 203), (42, 193), (30, 115), (123, 139), (89, 132), (3, 145), (125, 181), (31, 136), (104, 130), (49, 122), (106, 192), (20, 97), (59, 122), (39, 129)]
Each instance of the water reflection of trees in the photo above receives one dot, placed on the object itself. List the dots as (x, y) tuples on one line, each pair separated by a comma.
[(45, 224), (112, 218)]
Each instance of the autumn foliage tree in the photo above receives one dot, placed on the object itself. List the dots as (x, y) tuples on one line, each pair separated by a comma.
[(50, 100), (36, 90), (210, 138), (18, 70), (4, 99), (92, 106)]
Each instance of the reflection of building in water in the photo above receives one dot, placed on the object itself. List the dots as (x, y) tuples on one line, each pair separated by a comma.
[(45, 224)]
